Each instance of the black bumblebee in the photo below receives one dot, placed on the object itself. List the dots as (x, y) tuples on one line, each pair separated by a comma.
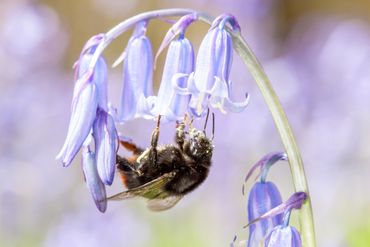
[(164, 174)]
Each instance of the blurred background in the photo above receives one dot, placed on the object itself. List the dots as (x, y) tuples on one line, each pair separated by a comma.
[(317, 55)]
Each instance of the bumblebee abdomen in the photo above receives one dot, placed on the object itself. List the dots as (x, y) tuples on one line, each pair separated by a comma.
[(186, 180)]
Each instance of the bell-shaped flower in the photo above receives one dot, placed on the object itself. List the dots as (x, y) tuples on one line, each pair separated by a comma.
[(93, 181), (106, 145), (210, 83), (283, 234), (263, 197), (286, 236), (89, 93), (171, 104), (136, 99)]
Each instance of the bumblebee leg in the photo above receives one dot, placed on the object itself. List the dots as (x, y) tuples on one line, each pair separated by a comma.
[(180, 134), (153, 154), (130, 145)]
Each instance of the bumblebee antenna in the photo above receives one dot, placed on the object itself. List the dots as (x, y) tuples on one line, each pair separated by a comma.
[(205, 123), (158, 121), (213, 125)]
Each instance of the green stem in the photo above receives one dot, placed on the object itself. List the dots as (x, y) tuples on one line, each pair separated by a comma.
[(283, 127)]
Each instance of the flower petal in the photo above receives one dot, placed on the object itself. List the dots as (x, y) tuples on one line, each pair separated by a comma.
[(90, 91), (106, 145), (93, 182), (179, 61), (177, 82), (235, 107), (145, 107), (82, 118), (137, 73), (286, 236), (99, 77), (294, 202), (263, 197), (206, 63)]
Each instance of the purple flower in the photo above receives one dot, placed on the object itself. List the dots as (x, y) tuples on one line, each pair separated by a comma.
[(263, 197), (171, 104), (106, 145), (93, 181), (88, 94), (286, 236), (210, 84), (294, 202), (137, 77), (283, 234)]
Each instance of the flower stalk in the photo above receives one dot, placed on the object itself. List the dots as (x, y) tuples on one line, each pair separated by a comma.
[(283, 127)]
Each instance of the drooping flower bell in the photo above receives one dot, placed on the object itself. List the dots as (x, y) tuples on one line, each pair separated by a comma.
[(283, 234), (136, 100), (263, 196), (210, 84), (171, 104), (90, 117), (89, 94), (286, 236)]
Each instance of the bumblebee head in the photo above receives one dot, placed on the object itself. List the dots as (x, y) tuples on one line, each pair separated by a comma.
[(200, 145)]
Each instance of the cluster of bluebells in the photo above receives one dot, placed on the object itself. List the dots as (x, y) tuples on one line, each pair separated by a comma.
[(189, 86), (268, 215)]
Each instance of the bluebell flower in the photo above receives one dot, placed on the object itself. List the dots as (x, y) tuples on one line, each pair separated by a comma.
[(136, 99), (283, 234), (93, 181), (263, 197), (286, 236), (106, 145), (179, 64), (89, 94), (172, 100), (210, 83)]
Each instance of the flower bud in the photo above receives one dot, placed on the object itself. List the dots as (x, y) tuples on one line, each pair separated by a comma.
[(93, 182), (106, 145)]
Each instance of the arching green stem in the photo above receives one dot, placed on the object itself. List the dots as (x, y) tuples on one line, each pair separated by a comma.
[(129, 23), (286, 134), (272, 101), (283, 127)]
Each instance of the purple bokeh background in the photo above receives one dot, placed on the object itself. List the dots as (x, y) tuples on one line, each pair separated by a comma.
[(318, 62)]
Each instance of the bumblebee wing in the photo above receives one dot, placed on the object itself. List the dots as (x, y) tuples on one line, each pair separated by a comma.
[(150, 190), (161, 204)]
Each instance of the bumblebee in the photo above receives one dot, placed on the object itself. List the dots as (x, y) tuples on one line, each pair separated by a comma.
[(164, 174)]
